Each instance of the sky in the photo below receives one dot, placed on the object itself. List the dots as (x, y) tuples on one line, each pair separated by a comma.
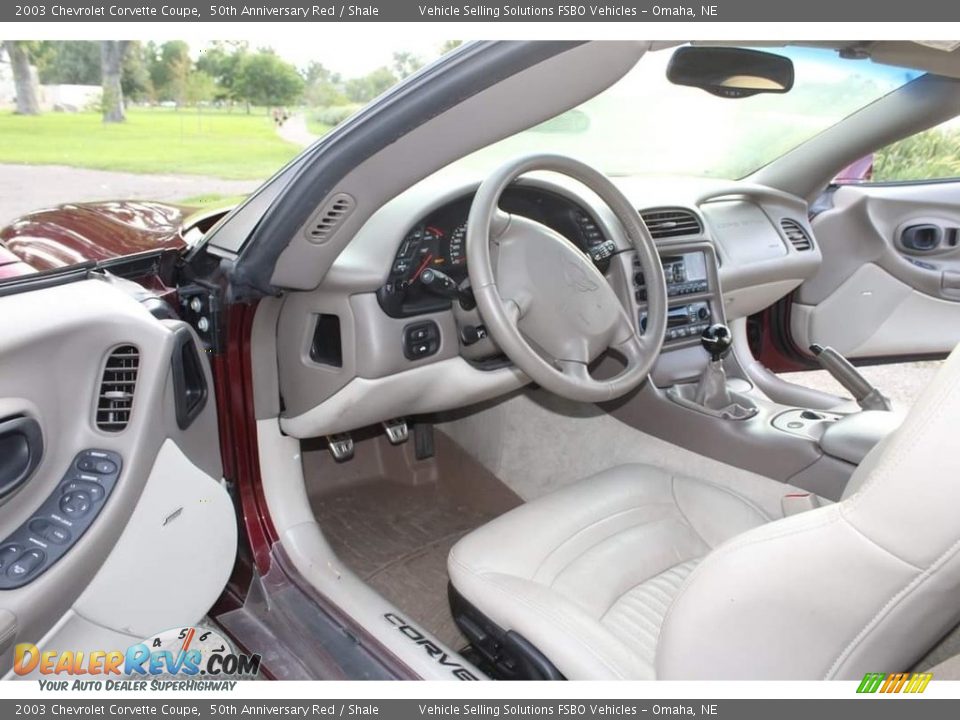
[(346, 54)]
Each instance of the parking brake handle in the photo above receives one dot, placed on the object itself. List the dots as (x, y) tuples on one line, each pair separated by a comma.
[(867, 396)]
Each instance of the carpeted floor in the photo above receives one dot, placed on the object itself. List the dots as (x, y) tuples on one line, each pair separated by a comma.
[(392, 520)]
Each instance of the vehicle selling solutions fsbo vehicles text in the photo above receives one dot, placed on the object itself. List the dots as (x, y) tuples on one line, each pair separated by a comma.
[(562, 11)]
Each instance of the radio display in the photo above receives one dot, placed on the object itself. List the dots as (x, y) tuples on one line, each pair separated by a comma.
[(689, 267)]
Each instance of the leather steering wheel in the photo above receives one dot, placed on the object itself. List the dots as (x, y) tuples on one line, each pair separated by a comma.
[(543, 300)]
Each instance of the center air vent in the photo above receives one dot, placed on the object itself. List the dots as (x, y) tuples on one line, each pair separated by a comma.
[(116, 389), (796, 234), (670, 222), (327, 221)]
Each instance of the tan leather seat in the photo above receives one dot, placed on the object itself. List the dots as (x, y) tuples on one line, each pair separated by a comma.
[(633, 573)]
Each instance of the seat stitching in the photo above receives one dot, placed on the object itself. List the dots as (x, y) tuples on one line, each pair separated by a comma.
[(592, 525), (602, 540), (894, 600), (536, 607), (756, 508), (650, 581), (676, 502), (639, 611)]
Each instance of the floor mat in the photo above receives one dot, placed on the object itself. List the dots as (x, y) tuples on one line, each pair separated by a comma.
[(394, 521)]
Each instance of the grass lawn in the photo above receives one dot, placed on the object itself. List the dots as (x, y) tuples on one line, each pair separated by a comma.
[(211, 200), (155, 140)]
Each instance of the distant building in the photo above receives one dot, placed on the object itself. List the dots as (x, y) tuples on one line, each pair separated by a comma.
[(8, 92), (70, 98), (63, 98)]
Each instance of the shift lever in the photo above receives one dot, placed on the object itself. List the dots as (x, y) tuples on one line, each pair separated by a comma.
[(712, 389), (711, 394), (716, 340)]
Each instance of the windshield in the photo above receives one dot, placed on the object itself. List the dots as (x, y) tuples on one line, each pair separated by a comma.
[(645, 125)]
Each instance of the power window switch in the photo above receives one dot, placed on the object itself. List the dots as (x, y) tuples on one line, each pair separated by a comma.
[(27, 563)]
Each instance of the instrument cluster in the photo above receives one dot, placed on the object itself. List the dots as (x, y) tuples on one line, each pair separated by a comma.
[(433, 252)]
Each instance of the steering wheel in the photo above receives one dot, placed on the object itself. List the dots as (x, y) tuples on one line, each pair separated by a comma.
[(544, 302)]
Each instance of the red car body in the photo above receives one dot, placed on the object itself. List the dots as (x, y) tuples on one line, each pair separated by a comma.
[(80, 232)]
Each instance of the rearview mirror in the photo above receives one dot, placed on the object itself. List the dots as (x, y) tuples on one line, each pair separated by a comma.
[(730, 72)]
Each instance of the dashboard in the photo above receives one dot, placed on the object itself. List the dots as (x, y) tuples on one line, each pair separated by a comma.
[(373, 341), (437, 242)]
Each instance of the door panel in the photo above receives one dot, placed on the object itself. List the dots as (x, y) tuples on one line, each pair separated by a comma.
[(152, 542), (889, 284)]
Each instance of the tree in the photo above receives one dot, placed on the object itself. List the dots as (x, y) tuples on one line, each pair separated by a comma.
[(24, 77), (406, 63), (136, 81), (323, 87), (449, 45), (200, 88), (68, 62), (221, 61), (169, 66), (265, 79), (111, 62), (366, 88)]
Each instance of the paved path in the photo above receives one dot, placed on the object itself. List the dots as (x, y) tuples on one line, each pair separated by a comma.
[(24, 188), (30, 187), (295, 131)]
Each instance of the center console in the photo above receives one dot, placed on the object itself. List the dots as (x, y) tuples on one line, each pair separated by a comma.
[(701, 398), (693, 292)]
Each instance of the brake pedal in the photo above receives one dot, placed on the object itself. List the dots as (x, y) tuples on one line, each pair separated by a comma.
[(341, 446), (397, 431)]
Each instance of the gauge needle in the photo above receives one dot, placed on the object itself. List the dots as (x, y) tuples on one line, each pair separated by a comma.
[(423, 266)]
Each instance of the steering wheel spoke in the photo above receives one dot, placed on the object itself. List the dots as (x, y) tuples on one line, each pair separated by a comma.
[(574, 369), (633, 349)]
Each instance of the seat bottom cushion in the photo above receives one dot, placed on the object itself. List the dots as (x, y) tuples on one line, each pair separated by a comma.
[(588, 572)]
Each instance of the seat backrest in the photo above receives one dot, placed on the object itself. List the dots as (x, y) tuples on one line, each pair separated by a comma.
[(866, 585)]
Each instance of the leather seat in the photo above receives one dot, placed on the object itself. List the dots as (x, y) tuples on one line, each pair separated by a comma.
[(635, 573)]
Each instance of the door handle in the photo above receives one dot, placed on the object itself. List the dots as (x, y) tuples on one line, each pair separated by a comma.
[(921, 238), (21, 449)]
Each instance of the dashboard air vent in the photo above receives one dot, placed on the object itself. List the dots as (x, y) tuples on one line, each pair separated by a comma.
[(119, 382), (796, 234), (670, 222), (329, 218)]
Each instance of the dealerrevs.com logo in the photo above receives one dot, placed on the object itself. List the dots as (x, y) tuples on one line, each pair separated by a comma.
[(189, 658)]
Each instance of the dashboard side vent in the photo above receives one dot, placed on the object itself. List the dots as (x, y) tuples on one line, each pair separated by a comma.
[(796, 234), (671, 222), (331, 215), (115, 400)]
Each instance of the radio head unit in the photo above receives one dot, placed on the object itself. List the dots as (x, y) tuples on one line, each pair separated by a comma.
[(685, 274), (691, 304)]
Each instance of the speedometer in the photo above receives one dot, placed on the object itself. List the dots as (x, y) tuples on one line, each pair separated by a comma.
[(456, 255)]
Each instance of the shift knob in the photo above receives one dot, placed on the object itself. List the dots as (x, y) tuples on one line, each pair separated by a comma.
[(716, 340)]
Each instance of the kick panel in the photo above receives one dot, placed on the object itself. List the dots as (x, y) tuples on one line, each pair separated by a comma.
[(61, 520)]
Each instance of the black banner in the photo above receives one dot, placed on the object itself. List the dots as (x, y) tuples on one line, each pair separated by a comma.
[(438, 11), (875, 709)]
